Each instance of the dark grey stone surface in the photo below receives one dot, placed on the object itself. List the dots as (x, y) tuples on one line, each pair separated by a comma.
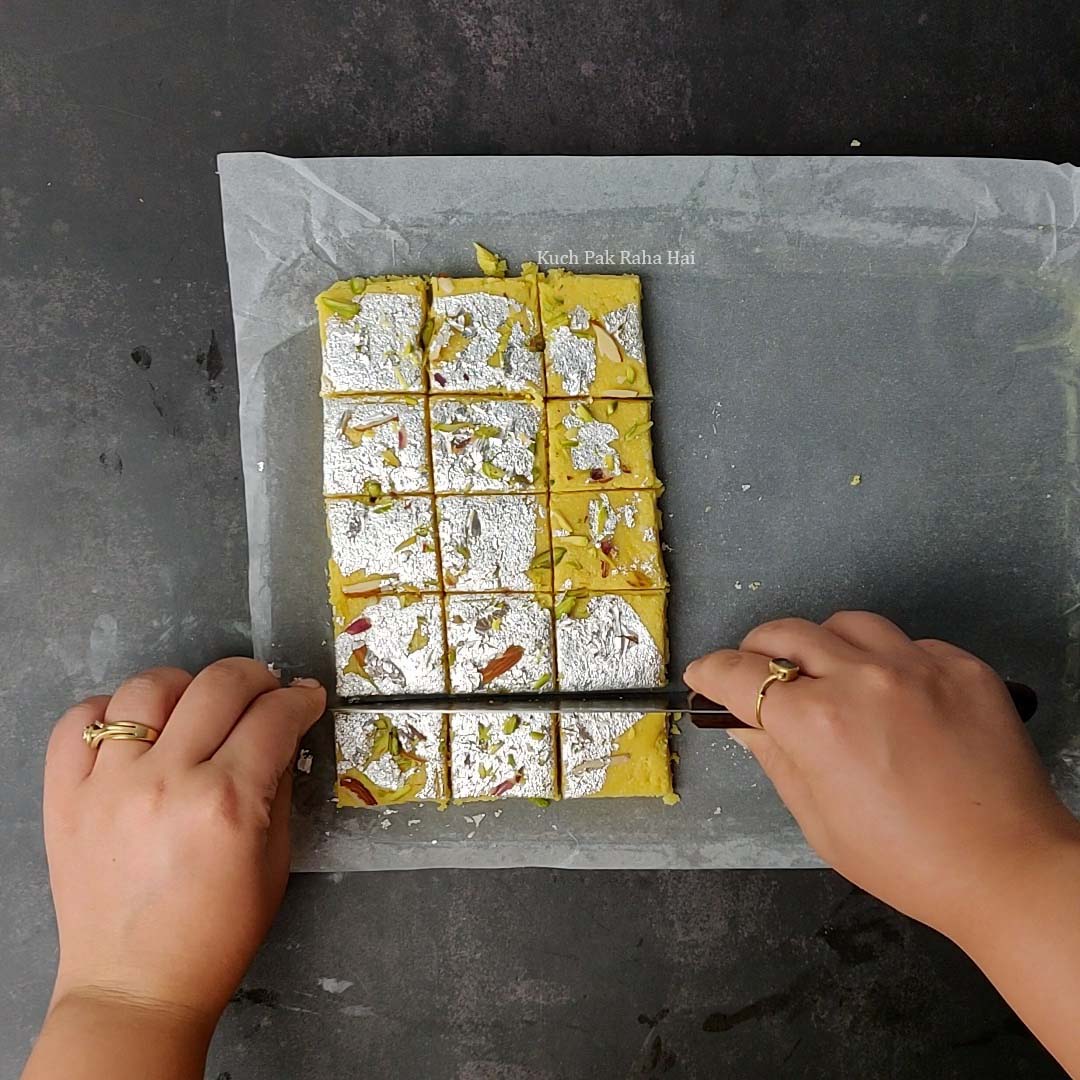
[(121, 510)]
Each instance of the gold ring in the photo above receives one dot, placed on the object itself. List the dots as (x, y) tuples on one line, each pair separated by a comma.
[(126, 732), (780, 670)]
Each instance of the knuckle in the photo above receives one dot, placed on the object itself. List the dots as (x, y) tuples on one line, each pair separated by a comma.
[(242, 668), (884, 679), (774, 628)]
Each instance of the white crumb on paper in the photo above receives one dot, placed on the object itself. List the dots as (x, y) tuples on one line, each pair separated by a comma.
[(855, 143), (754, 586), (413, 821), (304, 761), (385, 823), (260, 465), (335, 986), (738, 586), (745, 487)]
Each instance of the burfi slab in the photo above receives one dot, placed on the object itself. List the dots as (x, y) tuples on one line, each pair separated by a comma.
[(371, 335), (600, 444), (485, 336), (502, 755), (494, 543), (592, 334), (382, 544), (611, 641), (375, 444), (610, 541), (390, 757), (390, 645), (488, 444), (499, 643), (615, 755)]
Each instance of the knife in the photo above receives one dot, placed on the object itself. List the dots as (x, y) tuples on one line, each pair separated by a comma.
[(702, 712)]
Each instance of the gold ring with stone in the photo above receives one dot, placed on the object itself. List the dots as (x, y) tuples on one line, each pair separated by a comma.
[(95, 733), (780, 670)]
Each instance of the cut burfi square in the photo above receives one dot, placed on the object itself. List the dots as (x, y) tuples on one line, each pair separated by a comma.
[(499, 643), (371, 329), (485, 336), (494, 543), (592, 334), (382, 544), (600, 444), (392, 757), (390, 645), (373, 445), (615, 755), (502, 755), (488, 444), (611, 641), (608, 540)]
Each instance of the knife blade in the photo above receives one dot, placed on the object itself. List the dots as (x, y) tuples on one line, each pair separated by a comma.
[(703, 712)]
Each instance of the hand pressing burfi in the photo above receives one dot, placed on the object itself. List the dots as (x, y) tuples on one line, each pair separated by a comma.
[(390, 645), (611, 641), (494, 543), (606, 541), (502, 755), (374, 445), (600, 444), (371, 335), (485, 336), (615, 755), (397, 757), (592, 335), (488, 444), (500, 643), (384, 544)]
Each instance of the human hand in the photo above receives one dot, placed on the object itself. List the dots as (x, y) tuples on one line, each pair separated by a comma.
[(904, 762), (168, 861)]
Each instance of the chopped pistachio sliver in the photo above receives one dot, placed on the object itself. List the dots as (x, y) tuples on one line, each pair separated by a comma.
[(542, 803), (492, 472), (542, 681), (638, 429), (537, 736), (582, 413), (565, 605), (390, 458), (340, 307), (418, 641), (510, 725)]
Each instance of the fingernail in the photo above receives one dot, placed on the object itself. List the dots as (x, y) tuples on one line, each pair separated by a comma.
[(312, 684)]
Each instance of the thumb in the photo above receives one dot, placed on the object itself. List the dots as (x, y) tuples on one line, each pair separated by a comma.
[(779, 768)]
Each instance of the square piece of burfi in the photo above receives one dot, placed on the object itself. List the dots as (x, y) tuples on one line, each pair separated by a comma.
[(373, 445), (390, 645), (615, 755), (593, 344), (488, 444), (608, 540), (371, 329), (494, 543), (485, 336), (499, 643), (502, 755), (611, 641), (600, 444), (384, 544), (393, 757)]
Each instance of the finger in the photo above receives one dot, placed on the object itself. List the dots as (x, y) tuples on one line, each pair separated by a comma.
[(68, 760), (868, 631), (278, 842), (816, 650), (262, 746), (779, 768), (211, 706), (147, 698), (734, 677)]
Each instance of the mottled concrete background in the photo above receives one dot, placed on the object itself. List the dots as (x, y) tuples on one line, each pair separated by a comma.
[(121, 510)]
